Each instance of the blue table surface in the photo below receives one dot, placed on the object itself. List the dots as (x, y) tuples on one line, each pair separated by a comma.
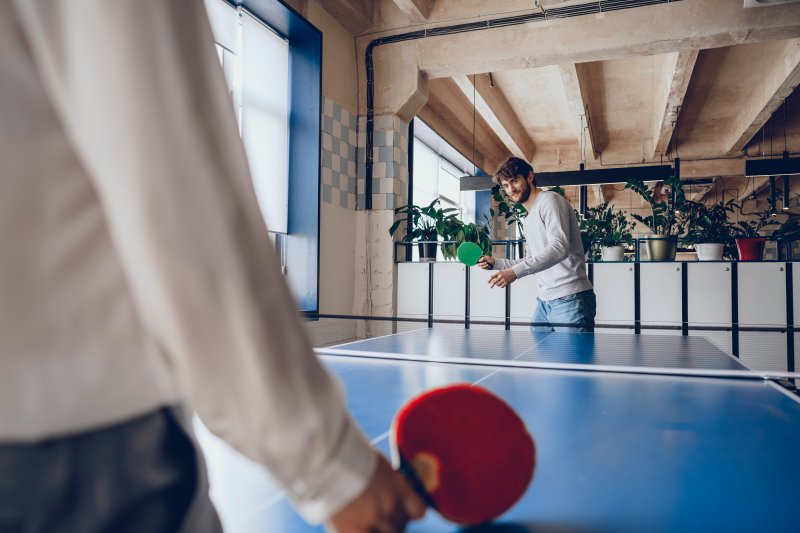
[(615, 452), (591, 349)]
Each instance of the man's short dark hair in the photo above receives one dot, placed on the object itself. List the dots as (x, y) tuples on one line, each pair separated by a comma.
[(511, 168)]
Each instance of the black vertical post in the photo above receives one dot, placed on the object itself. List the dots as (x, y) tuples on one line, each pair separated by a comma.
[(508, 307), (735, 308), (583, 197), (789, 319), (684, 299), (410, 191), (466, 301), (590, 272), (430, 295), (637, 303)]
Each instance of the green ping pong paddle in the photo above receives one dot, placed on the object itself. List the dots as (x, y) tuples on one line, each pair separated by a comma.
[(469, 253)]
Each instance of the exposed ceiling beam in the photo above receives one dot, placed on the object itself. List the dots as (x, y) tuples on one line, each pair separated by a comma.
[(355, 15), (493, 107), (416, 9), (781, 74), (577, 91), (449, 114), (659, 29), (679, 69)]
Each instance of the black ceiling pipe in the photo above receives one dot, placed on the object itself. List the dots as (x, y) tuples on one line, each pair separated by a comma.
[(601, 6)]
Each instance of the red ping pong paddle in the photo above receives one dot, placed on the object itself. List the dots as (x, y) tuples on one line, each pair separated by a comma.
[(465, 451)]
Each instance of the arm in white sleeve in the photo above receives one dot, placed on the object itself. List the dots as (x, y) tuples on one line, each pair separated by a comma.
[(556, 219), (501, 263), (140, 91)]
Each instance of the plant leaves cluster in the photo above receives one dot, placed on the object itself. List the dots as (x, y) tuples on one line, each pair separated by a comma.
[(663, 219), (430, 222)]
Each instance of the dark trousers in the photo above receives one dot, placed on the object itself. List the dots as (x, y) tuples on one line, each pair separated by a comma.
[(145, 475)]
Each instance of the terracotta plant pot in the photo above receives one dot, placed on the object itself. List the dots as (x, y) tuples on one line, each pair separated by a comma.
[(710, 251), (750, 248)]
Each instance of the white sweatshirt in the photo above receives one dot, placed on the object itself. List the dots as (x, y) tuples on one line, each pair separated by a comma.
[(136, 268), (555, 252)]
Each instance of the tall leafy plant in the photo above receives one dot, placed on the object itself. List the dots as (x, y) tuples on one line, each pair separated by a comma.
[(752, 227), (663, 219), (427, 223), (709, 225), (610, 228)]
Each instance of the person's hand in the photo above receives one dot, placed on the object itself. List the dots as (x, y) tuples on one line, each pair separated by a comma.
[(486, 262), (385, 506), (502, 278)]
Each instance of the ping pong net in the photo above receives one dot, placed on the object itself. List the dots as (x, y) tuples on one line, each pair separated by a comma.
[(670, 349)]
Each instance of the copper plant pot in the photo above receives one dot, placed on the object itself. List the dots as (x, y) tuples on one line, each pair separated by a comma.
[(661, 248)]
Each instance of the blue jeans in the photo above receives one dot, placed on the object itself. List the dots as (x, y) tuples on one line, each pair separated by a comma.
[(574, 312)]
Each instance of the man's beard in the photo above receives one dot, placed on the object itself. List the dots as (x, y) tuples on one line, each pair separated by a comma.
[(525, 194)]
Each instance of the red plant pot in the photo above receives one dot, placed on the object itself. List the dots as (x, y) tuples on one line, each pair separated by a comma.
[(750, 248)]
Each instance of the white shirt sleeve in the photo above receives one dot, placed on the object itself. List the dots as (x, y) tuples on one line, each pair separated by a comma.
[(139, 89), (555, 218)]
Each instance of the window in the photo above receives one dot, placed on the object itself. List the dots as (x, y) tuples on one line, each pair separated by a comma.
[(256, 65), (438, 170), (271, 57)]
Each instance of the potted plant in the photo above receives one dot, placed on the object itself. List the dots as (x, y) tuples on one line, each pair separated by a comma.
[(613, 232), (427, 223), (785, 235), (749, 242), (663, 220), (512, 212), (458, 232), (591, 232), (708, 230)]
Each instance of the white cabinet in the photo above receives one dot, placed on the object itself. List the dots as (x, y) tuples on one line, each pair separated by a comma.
[(449, 291), (796, 293), (614, 287), (762, 294), (412, 290), (763, 350), (523, 298), (709, 293), (660, 294), (486, 303)]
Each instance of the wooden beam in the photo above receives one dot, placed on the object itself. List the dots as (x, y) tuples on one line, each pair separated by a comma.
[(449, 114), (577, 92), (355, 15), (781, 76), (492, 106), (649, 30), (416, 9), (667, 115)]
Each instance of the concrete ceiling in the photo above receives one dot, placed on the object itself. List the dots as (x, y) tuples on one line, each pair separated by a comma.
[(697, 78)]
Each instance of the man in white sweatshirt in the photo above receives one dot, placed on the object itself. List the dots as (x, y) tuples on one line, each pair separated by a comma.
[(138, 284), (566, 300)]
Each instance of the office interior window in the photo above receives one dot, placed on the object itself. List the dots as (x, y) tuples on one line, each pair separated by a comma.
[(438, 170), (256, 64)]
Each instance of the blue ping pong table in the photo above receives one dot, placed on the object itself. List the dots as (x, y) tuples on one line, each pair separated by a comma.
[(633, 432)]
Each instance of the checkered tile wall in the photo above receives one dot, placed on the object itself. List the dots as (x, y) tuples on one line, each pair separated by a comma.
[(339, 138)]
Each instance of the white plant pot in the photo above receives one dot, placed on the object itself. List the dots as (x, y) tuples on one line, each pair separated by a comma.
[(613, 253), (711, 251)]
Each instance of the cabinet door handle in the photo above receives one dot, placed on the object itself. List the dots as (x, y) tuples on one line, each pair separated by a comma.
[(781, 269), (677, 269), (727, 269)]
